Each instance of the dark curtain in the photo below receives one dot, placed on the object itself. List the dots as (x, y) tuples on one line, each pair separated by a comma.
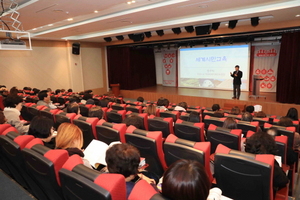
[(288, 77), (132, 68)]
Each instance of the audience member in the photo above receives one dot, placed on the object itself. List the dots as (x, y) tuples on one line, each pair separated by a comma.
[(292, 114), (13, 105), (74, 98), (219, 113), (140, 99), (194, 117), (3, 92), (96, 112), (35, 91), (260, 114), (70, 90), (42, 127), (230, 123), (73, 108), (249, 109), (44, 100), (215, 107), (3, 120), (58, 92), (14, 91), (262, 143), (247, 117), (124, 159), (186, 179), (49, 90), (286, 122), (90, 102), (151, 110), (134, 120), (235, 110), (70, 138), (85, 97), (182, 106), (162, 103)]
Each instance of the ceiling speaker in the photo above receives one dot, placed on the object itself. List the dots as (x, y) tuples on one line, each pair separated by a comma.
[(176, 30), (148, 34), (203, 30), (108, 39), (120, 37), (189, 29), (76, 48), (232, 24), (215, 26), (254, 21), (160, 32), (139, 37)]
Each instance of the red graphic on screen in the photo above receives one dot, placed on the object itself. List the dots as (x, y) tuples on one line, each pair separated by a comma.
[(269, 85), (264, 71), (273, 79), (266, 53), (257, 71), (164, 60), (165, 55), (266, 78), (263, 85), (168, 72), (270, 71)]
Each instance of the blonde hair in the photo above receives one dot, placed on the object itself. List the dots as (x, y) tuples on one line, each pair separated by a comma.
[(151, 109), (67, 134)]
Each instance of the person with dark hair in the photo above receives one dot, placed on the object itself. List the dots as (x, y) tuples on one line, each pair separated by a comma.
[(74, 98), (162, 103), (215, 107), (90, 102), (13, 105), (286, 122), (42, 127), (96, 112), (14, 91), (44, 100), (85, 97), (3, 92), (124, 159), (3, 119), (182, 106), (262, 143), (186, 179), (134, 120), (219, 113), (194, 117), (292, 114), (237, 75), (150, 110), (249, 109), (260, 114), (49, 90), (235, 110), (73, 108), (35, 91), (70, 90), (230, 123), (140, 99), (58, 92), (246, 116)]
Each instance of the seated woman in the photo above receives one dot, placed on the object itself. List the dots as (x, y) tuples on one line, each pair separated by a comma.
[(286, 122), (194, 117), (246, 116), (235, 111), (73, 108), (69, 137), (96, 112), (230, 123), (263, 143), (151, 110), (13, 105), (42, 127), (182, 106), (292, 114), (133, 120), (186, 179), (124, 159)]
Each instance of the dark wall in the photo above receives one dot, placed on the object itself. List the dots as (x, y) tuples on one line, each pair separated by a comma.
[(131, 67)]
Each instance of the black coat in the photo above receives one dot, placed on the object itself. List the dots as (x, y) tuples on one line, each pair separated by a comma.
[(237, 79)]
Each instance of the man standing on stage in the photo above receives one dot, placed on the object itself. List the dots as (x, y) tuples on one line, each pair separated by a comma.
[(237, 75)]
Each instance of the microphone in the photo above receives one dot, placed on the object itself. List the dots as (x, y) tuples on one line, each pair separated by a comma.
[(214, 194)]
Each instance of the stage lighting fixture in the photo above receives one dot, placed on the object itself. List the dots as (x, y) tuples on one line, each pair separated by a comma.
[(203, 30), (108, 39), (215, 26), (255, 21), (189, 29), (176, 30), (232, 24), (148, 34), (120, 37), (160, 32), (139, 37)]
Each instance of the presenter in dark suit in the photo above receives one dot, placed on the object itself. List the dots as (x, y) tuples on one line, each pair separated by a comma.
[(237, 75)]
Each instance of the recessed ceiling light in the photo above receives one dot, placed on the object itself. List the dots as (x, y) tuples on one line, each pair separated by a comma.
[(128, 2), (34, 29), (96, 11), (70, 19), (50, 24), (297, 15), (132, 1), (226, 24)]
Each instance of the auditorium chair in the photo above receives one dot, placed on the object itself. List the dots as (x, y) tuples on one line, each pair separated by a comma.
[(136, 109), (213, 120), (80, 182), (1, 103), (104, 109), (35, 110), (281, 143), (176, 149), (26, 115), (120, 100), (207, 112), (149, 143), (247, 126), (295, 124), (88, 128), (109, 132), (135, 103), (144, 191), (189, 130), (245, 176), (228, 137), (49, 113), (116, 116), (143, 116), (194, 107), (6, 128), (117, 106), (84, 109), (165, 125), (43, 164), (62, 117), (261, 121), (239, 117), (167, 114)]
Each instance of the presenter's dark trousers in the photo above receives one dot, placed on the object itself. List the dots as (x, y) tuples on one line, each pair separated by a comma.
[(236, 91)]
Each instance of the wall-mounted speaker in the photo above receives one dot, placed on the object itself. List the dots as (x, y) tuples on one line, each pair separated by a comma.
[(138, 37), (120, 37), (176, 30), (107, 39), (254, 21), (76, 48), (148, 34), (160, 32), (215, 26), (232, 24), (203, 30)]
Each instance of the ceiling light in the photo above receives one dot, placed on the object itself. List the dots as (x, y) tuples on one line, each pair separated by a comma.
[(96, 11), (70, 19), (132, 1), (129, 2), (297, 15), (50, 24), (34, 29), (226, 24)]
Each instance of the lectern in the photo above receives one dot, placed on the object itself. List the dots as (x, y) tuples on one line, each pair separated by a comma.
[(256, 87), (115, 88)]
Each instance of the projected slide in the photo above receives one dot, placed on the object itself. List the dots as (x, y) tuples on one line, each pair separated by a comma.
[(210, 67)]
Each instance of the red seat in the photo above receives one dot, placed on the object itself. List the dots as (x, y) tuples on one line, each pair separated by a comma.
[(144, 117), (144, 191), (149, 143), (116, 116), (176, 149), (109, 132), (136, 109), (165, 125), (189, 130), (49, 113), (117, 106), (167, 114), (282, 142), (61, 117), (295, 124), (213, 120), (247, 126)]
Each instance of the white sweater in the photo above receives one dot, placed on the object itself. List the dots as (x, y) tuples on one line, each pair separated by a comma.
[(13, 118)]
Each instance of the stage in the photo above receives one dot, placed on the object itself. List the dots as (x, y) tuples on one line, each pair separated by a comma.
[(206, 97)]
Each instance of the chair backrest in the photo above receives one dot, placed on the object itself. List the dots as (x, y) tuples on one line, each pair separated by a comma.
[(261, 121), (84, 110), (61, 117), (287, 131), (295, 123), (26, 115), (213, 120), (35, 110), (207, 112), (117, 106), (167, 114), (44, 164), (189, 130), (228, 137), (116, 116), (136, 109), (184, 116), (88, 128), (244, 176), (282, 143), (176, 149), (149, 143), (4, 128), (247, 126), (239, 117), (1, 103), (109, 132), (143, 116), (81, 182), (165, 125), (49, 113)]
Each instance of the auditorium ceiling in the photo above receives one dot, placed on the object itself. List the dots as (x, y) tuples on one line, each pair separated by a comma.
[(93, 20)]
